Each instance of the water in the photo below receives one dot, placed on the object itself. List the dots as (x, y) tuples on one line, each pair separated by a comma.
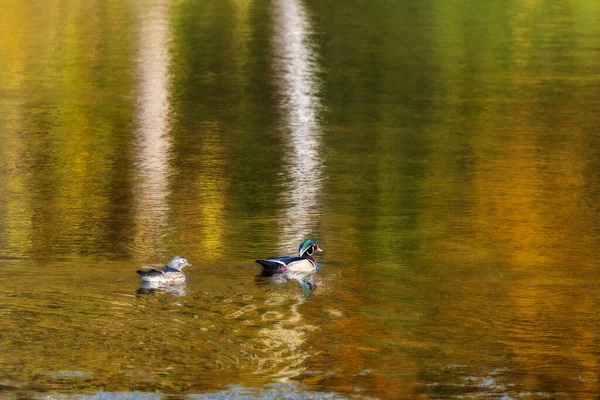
[(444, 154)]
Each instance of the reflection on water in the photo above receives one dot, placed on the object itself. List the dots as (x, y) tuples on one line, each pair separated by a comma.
[(295, 70), (279, 346), (460, 210), (153, 150), (271, 391), (307, 281), (151, 288)]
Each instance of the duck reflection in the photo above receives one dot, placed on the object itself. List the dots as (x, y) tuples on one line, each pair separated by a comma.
[(308, 281), (279, 348), (151, 289)]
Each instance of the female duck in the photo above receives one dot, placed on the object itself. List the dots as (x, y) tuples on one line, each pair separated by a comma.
[(304, 263), (168, 275)]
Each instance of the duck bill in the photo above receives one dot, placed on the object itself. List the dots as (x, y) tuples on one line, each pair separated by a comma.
[(319, 250)]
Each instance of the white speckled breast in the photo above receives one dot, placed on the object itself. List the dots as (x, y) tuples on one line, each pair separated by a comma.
[(166, 278)]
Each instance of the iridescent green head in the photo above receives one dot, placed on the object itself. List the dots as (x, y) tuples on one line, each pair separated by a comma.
[(308, 247)]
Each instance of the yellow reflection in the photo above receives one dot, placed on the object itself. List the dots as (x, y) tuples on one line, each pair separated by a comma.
[(54, 138), (212, 182), (14, 212), (295, 72), (211, 188)]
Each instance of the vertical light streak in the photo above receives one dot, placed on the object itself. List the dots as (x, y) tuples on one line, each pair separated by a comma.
[(153, 141), (296, 74)]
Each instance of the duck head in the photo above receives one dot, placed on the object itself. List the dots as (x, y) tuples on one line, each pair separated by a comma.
[(178, 262), (308, 247)]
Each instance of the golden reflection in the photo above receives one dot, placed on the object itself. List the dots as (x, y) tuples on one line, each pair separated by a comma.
[(153, 148), (201, 70), (279, 347), (60, 139), (211, 187), (508, 185), (284, 343), (14, 209), (295, 71)]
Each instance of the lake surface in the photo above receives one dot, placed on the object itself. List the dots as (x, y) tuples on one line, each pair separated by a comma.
[(446, 155)]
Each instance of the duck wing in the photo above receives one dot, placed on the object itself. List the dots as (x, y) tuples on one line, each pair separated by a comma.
[(150, 272), (276, 264)]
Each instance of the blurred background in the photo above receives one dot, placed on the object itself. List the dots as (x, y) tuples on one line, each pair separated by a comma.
[(444, 154)]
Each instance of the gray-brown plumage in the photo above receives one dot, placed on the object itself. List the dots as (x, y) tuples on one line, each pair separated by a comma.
[(167, 275)]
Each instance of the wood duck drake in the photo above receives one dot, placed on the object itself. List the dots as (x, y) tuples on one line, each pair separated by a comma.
[(305, 262), (168, 275)]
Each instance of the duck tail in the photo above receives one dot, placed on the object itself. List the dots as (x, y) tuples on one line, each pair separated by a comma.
[(270, 266)]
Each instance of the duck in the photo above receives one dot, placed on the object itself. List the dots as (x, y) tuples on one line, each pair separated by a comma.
[(303, 263), (170, 274)]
